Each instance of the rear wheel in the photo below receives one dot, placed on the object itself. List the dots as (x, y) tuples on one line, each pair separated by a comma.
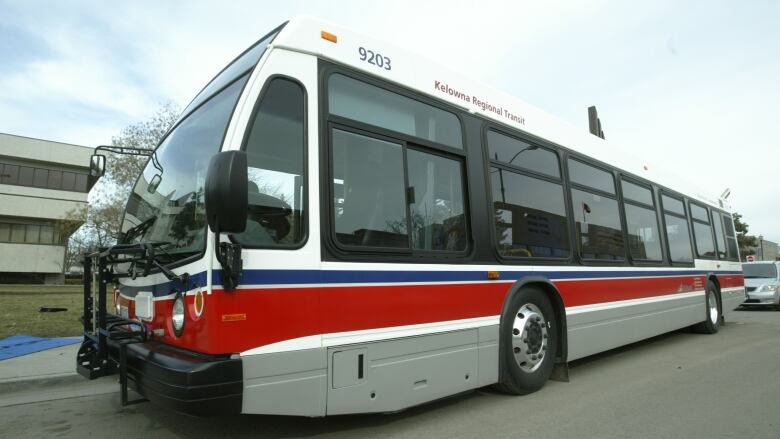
[(528, 340), (711, 324)]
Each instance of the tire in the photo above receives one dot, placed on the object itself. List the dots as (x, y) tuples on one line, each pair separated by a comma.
[(528, 342), (714, 314)]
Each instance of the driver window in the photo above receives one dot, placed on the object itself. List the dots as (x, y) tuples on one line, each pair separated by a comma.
[(275, 154)]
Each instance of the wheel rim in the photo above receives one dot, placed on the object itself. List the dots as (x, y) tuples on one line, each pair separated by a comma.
[(529, 337), (713, 305)]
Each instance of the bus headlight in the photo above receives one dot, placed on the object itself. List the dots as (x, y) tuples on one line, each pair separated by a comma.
[(177, 314)]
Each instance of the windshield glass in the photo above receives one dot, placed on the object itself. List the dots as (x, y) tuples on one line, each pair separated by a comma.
[(759, 270), (167, 201)]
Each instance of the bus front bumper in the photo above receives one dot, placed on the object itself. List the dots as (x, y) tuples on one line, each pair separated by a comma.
[(188, 382)]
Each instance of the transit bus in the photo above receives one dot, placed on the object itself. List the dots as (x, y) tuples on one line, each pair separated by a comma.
[(335, 225)]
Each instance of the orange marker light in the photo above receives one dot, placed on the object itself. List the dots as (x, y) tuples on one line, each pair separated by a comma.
[(329, 36), (199, 302), (233, 317), (493, 274)]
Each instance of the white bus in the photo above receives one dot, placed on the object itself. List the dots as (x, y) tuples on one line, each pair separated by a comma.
[(336, 225)]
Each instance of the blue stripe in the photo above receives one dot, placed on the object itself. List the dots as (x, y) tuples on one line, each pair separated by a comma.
[(308, 277)]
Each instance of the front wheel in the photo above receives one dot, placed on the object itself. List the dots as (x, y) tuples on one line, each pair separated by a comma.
[(528, 342), (711, 324)]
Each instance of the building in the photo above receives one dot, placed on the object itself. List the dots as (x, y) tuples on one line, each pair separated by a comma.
[(43, 199), (765, 250)]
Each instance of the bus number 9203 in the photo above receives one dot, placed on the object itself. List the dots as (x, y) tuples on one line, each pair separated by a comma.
[(376, 59)]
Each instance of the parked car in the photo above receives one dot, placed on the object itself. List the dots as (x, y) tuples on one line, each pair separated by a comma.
[(762, 284)]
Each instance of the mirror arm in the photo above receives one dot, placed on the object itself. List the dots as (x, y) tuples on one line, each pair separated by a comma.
[(229, 257)]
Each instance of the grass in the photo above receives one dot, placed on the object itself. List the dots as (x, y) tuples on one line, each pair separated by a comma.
[(20, 310)]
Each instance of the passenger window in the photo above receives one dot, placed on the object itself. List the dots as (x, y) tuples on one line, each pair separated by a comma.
[(591, 176), (436, 202), (643, 242), (599, 233), (673, 205), (368, 191), (634, 192), (731, 239), (376, 106), (679, 239), (275, 155), (524, 155), (720, 239), (530, 216), (702, 231)]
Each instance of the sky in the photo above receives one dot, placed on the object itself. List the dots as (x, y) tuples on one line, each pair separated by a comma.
[(692, 86)]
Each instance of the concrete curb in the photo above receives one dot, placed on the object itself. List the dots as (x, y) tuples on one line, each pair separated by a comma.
[(36, 382)]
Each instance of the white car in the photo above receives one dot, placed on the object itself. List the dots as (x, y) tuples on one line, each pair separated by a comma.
[(762, 284)]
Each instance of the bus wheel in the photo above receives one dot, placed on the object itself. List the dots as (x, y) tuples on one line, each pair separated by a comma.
[(529, 340), (711, 323)]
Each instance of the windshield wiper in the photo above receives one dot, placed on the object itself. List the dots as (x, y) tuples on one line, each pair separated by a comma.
[(150, 259), (138, 229)]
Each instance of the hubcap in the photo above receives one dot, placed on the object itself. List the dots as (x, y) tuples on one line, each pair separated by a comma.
[(529, 337), (713, 304)]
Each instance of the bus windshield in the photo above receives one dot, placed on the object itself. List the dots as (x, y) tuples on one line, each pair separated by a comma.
[(166, 204)]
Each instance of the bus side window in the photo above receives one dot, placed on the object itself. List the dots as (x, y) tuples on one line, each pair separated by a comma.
[(275, 150), (678, 238)]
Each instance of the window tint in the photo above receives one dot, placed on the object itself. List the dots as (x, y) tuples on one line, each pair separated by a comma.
[(705, 246), (637, 193), (672, 205), (368, 191), (81, 183), (731, 240), (678, 239), (17, 232), (26, 176), (521, 154), (591, 176), (275, 155), (729, 223), (10, 174), (720, 238), (33, 234), (366, 103), (68, 181), (699, 213), (643, 238), (55, 180), (530, 216), (237, 68), (436, 202), (40, 178), (598, 228), (47, 235)]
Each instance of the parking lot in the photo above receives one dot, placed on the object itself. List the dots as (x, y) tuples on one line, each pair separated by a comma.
[(677, 385)]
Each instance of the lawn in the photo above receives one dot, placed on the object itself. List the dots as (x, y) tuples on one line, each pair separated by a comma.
[(20, 311)]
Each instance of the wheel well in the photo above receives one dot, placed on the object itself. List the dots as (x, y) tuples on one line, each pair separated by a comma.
[(714, 280), (557, 303)]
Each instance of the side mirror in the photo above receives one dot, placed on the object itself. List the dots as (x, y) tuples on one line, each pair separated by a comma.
[(97, 165), (154, 184), (226, 209), (226, 192)]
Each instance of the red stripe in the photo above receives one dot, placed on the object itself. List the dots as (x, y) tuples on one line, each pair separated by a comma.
[(275, 315)]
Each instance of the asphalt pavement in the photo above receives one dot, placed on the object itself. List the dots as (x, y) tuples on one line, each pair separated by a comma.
[(679, 385)]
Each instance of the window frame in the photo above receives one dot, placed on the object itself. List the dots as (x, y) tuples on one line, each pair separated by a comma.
[(693, 220), (617, 196), (305, 182), (664, 212), (490, 163), (716, 213), (329, 121), (405, 146), (654, 207)]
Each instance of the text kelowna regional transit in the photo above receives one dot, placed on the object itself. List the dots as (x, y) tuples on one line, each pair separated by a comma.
[(483, 104)]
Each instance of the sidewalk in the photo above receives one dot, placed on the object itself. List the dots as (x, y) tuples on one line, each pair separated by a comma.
[(48, 367)]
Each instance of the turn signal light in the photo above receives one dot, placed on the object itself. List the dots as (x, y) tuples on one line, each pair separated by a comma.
[(493, 275)]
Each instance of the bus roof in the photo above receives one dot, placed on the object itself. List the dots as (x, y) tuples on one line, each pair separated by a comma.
[(412, 71)]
